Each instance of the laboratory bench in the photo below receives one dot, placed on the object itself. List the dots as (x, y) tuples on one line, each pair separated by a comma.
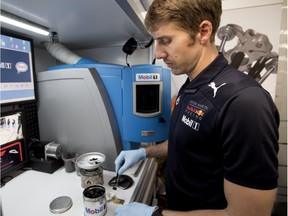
[(31, 192)]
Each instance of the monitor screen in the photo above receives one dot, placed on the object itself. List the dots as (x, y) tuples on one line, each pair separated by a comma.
[(13, 151), (17, 69), (147, 98)]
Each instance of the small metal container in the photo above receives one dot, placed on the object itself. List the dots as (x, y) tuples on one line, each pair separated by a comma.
[(94, 199), (91, 171), (90, 161), (91, 177), (53, 150)]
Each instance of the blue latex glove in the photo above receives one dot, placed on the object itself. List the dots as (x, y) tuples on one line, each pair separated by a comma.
[(134, 209), (129, 158)]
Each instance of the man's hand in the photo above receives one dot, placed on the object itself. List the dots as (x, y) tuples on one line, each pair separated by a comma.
[(133, 209), (128, 159)]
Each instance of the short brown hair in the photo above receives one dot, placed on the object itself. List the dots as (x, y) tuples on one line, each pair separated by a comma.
[(186, 14)]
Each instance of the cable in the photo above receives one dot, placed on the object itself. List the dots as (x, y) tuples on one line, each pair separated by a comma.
[(33, 140), (147, 45), (150, 43), (131, 45), (127, 61)]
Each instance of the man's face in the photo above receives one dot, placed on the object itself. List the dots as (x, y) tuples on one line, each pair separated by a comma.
[(177, 49)]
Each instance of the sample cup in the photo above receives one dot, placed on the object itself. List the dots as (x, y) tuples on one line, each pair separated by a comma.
[(77, 168), (69, 159), (94, 199)]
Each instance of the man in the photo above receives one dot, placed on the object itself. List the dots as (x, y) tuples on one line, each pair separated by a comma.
[(222, 147)]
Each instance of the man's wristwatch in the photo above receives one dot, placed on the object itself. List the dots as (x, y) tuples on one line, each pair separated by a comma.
[(157, 212)]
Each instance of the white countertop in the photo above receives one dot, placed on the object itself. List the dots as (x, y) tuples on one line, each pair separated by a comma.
[(31, 192)]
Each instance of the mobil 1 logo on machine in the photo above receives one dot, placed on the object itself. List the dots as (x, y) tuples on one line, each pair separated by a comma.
[(148, 77)]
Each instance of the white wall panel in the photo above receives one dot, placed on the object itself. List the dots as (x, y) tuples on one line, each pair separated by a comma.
[(236, 4)]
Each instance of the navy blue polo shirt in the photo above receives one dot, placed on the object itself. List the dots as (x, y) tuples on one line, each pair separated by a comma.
[(224, 125)]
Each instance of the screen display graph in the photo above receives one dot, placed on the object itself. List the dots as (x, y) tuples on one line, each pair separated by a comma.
[(17, 69)]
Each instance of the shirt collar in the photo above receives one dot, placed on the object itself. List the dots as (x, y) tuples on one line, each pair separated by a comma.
[(208, 74)]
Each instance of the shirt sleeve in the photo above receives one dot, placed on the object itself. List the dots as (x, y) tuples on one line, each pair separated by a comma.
[(250, 139)]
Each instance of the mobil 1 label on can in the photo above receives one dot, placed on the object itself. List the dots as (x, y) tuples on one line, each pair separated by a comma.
[(94, 201)]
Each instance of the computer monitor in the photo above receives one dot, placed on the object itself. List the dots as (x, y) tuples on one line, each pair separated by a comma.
[(13, 150), (17, 69)]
